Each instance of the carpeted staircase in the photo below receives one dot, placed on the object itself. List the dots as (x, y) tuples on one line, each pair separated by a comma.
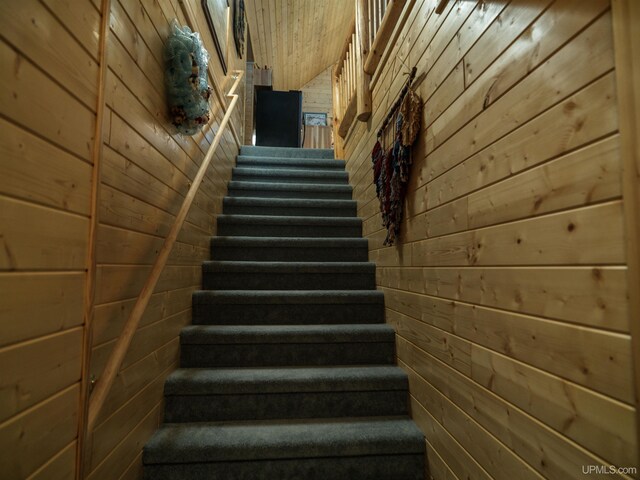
[(288, 369)]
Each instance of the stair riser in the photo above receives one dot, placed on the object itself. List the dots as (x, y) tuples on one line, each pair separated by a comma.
[(289, 254), (337, 178), (308, 163), (213, 408), (287, 281), (387, 467), (286, 314), (285, 152), (289, 211), (307, 194), (286, 354), (275, 230)]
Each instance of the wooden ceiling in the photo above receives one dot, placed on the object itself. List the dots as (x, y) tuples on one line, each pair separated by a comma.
[(298, 39)]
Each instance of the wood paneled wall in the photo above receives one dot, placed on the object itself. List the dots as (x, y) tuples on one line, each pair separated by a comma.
[(508, 288), (47, 116), (48, 98), (316, 95)]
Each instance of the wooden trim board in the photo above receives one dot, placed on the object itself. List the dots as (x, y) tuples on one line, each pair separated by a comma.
[(626, 37)]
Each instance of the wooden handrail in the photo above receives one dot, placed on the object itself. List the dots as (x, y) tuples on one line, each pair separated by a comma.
[(391, 15), (90, 284), (103, 386)]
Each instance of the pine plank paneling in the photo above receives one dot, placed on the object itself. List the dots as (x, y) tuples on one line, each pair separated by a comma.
[(456, 396), (48, 102), (35, 31), (134, 378), (579, 178), (451, 451), (49, 85), (110, 317), (107, 434), (41, 238), (593, 420), (590, 52), (316, 95), (36, 304), (82, 19), (508, 289), (33, 376), (60, 467), (117, 282), (31, 99), (285, 32), (583, 117), (38, 434), (36, 171), (128, 449), (591, 296)]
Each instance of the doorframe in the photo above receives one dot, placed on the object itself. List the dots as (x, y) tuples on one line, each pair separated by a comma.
[(626, 39)]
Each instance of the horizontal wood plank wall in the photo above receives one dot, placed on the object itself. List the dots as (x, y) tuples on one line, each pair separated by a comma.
[(316, 95), (49, 57), (508, 287), (146, 174)]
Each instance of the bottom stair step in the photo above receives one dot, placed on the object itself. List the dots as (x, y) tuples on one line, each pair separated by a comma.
[(347, 448)]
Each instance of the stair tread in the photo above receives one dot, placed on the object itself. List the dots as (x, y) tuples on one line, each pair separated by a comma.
[(259, 334), (302, 202), (248, 185), (288, 267), (302, 162), (288, 220), (261, 440), (210, 381), (303, 242), (290, 297), (288, 152), (305, 172)]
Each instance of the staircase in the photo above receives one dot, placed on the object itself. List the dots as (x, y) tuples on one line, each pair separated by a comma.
[(288, 369)]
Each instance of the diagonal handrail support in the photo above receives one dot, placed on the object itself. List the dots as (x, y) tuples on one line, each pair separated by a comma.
[(104, 383)]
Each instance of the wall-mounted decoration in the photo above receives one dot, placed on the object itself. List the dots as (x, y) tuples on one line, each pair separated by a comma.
[(315, 119), (239, 23), (217, 14), (391, 157), (188, 91)]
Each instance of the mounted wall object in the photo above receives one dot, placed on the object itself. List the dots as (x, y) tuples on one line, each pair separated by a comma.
[(188, 91), (239, 26), (217, 14), (315, 119), (391, 157)]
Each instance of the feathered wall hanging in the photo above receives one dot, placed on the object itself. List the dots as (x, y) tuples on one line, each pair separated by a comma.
[(391, 157)]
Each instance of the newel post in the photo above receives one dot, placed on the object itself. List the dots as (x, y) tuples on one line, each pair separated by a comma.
[(363, 90)]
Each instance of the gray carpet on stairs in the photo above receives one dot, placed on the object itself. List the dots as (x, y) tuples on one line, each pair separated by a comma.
[(288, 371)]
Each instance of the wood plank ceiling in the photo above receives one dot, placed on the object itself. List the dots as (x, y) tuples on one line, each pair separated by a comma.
[(298, 39)]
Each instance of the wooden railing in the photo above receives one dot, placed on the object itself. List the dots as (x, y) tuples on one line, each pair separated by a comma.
[(114, 362), (374, 10), (381, 16), (345, 75), (368, 37)]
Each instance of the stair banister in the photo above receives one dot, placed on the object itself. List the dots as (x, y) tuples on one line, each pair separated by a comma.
[(104, 383)]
